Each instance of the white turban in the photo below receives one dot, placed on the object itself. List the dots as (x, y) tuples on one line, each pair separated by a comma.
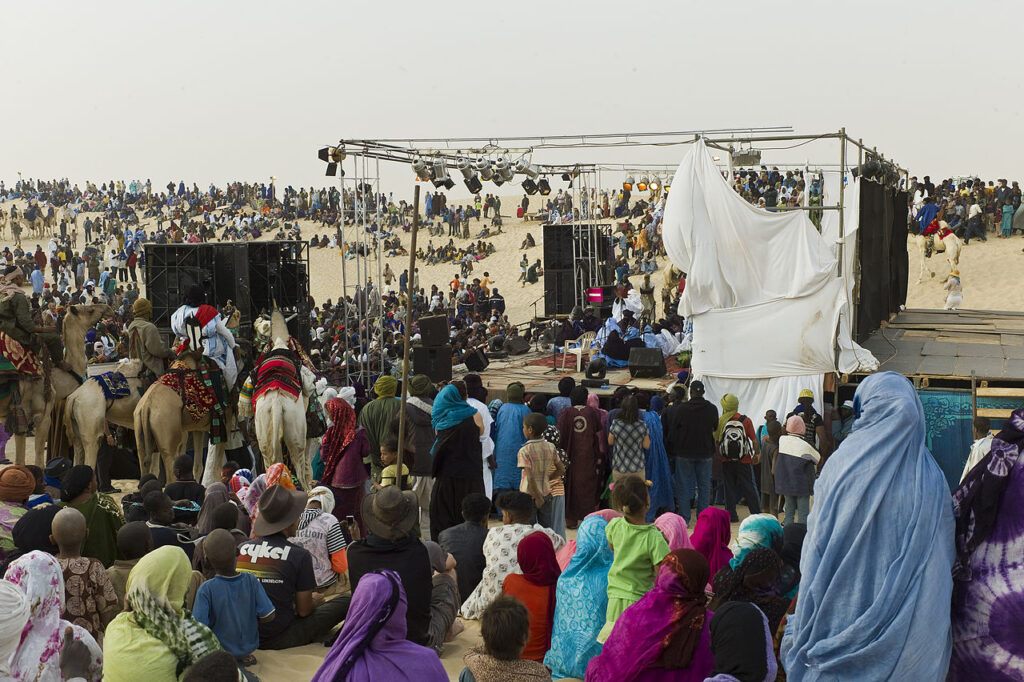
[(324, 496), (348, 394), (14, 607)]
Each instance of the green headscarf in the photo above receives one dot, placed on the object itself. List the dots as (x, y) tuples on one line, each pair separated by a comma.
[(386, 387), (730, 405), (156, 593), (419, 385), (514, 392)]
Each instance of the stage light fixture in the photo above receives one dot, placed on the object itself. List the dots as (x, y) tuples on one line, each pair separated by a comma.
[(473, 185), (668, 183), (422, 170), (324, 154), (642, 185), (503, 169), (465, 167), (627, 185), (483, 167), (544, 186), (529, 186), (332, 170), (655, 185), (524, 166), (441, 178)]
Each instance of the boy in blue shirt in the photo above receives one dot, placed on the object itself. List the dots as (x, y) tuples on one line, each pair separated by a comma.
[(232, 604)]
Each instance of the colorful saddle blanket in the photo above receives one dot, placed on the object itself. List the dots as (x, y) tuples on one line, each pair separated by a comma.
[(276, 371), (18, 359), (114, 385)]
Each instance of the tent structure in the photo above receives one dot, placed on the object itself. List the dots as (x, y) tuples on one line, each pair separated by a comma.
[(770, 305)]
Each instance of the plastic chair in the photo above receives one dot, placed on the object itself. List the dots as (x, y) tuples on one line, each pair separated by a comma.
[(582, 347)]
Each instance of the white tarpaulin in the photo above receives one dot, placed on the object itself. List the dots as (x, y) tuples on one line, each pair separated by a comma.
[(761, 291)]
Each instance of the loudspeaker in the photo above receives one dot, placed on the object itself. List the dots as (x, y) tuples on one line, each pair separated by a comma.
[(434, 330), (435, 362), (476, 360), (558, 254), (646, 363), (517, 345), (559, 292)]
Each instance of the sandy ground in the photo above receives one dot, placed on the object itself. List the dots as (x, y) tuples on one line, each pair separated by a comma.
[(990, 272)]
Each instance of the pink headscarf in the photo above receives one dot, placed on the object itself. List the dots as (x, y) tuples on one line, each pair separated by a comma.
[(795, 426), (711, 537), (565, 555), (673, 527)]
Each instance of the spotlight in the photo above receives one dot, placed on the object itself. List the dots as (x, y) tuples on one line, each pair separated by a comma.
[(465, 167), (668, 184), (524, 166), (473, 185), (483, 167), (441, 175), (642, 185), (654, 185), (502, 168), (596, 371), (628, 184), (324, 154), (567, 177), (332, 170), (498, 179), (544, 186), (422, 170), (530, 186), (329, 154)]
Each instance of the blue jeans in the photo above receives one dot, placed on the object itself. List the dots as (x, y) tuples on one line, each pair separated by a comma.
[(797, 504), (552, 514), (691, 475)]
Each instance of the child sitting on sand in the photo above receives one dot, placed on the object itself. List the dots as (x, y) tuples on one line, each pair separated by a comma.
[(89, 599), (505, 627), (134, 541), (232, 604)]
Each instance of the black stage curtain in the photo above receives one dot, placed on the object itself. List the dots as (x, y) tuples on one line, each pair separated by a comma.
[(882, 241)]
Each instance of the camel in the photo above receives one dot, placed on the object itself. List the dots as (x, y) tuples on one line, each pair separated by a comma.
[(87, 411), (951, 245), (161, 423), (280, 416), (77, 322)]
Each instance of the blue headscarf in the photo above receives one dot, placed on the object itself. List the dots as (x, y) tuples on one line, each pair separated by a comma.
[(449, 409), (581, 602), (876, 566), (757, 530), (656, 467)]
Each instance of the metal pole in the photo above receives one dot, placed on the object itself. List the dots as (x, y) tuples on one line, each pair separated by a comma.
[(408, 331), (842, 188)]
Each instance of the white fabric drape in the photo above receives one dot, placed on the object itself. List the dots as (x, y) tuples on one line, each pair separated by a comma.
[(762, 290)]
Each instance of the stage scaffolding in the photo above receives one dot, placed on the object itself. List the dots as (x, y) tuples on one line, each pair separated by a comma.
[(586, 186)]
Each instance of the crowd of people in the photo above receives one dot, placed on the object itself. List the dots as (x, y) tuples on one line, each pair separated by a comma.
[(590, 540), (188, 581)]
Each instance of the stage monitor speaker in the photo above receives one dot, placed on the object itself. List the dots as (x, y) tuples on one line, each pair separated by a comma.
[(646, 363), (476, 360), (435, 362), (517, 345), (558, 247), (593, 383), (559, 292), (434, 330)]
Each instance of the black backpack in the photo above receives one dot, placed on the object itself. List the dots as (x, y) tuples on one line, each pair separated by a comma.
[(734, 445)]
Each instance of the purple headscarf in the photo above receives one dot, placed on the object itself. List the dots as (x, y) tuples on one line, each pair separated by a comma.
[(673, 527), (372, 643)]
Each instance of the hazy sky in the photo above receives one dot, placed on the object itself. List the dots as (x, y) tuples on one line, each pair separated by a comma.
[(245, 90)]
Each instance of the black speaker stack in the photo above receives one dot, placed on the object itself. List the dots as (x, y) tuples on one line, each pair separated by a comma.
[(646, 363), (433, 356), (254, 276), (563, 266)]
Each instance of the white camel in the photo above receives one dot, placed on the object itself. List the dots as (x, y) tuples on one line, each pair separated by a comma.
[(951, 245), (87, 411), (280, 416)]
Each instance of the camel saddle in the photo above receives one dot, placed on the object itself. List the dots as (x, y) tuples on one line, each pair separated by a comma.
[(277, 369)]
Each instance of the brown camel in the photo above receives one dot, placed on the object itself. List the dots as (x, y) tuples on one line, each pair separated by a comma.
[(79, 319), (87, 411), (161, 422)]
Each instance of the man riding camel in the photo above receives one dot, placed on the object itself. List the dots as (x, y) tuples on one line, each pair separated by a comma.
[(144, 342), (209, 331), (17, 323)]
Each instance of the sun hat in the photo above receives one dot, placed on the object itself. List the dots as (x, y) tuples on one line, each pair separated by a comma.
[(390, 513), (278, 509)]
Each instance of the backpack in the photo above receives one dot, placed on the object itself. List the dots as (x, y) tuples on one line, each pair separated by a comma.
[(735, 445)]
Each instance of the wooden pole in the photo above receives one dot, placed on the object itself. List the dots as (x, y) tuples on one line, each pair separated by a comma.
[(408, 333)]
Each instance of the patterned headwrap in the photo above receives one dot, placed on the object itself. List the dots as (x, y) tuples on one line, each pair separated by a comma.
[(278, 474), (156, 593), (338, 435)]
